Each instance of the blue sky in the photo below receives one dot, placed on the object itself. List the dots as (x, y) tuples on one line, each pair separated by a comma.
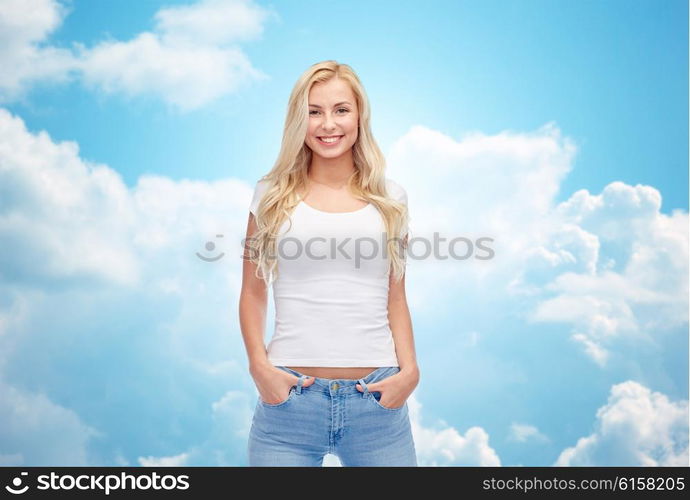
[(559, 128), (613, 74)]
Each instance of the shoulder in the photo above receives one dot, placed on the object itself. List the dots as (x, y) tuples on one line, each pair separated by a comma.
[(396, 190), (261, 185), (260, 188)]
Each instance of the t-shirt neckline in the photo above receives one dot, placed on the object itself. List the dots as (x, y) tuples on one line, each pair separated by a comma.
[(335, 213)]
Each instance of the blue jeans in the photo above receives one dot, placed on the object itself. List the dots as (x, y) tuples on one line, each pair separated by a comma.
[(332, 416)]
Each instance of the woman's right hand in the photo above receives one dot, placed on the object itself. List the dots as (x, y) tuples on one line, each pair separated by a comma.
[(274, 384)]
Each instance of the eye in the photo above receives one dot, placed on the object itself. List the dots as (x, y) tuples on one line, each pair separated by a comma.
[(343, 110)]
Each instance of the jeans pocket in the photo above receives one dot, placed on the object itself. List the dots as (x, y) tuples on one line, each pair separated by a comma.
[(375, 397), (281, 403)]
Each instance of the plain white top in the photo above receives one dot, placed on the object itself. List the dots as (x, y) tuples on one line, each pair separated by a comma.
[(331, 309)]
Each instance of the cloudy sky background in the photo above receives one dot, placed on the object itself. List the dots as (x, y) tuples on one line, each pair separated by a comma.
[(132, 133)]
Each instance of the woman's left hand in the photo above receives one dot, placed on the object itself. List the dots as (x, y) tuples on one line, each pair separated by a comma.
[(394, 389)]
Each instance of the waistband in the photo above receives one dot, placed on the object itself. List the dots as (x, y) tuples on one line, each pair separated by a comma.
[(347, 385)]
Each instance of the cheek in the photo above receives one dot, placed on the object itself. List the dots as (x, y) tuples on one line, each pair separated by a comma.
[(311, 133), (355, 127), (352, 126)]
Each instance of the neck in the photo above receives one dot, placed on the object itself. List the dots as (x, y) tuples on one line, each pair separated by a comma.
[(331, 171)]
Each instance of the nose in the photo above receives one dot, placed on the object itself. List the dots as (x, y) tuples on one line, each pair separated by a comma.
[(328, 122)]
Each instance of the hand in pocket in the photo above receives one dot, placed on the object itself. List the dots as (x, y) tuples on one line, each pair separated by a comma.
[(274, 384), (394, 389)]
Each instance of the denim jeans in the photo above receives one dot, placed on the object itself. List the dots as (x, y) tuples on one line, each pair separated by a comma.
[(332, 416)]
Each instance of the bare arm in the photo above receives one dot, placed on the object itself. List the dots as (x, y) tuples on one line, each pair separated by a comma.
[(272, 383), (401, 326), (253, 306)]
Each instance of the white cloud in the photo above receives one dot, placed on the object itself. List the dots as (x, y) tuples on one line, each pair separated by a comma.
[(211, 22), (191, 57), (642, 289), (66, 221), (180, 460), (54, 208), (637, 427), (476, 184), (443, 445), (67, 224), (595, 351), (331, 461), (610, 265), (24, 60), (36, 431), (81, 253), (525, 432)]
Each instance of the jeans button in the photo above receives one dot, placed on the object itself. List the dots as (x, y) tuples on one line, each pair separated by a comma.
[(335, 386)]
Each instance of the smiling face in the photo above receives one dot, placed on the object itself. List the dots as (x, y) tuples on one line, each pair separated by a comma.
[(333, 118)]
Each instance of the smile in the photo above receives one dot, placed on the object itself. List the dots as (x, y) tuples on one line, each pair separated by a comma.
[(329, 141)]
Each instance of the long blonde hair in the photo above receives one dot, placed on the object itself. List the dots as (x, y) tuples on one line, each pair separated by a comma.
[(288, 176)]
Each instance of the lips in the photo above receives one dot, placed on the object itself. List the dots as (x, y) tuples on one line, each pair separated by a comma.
[(332, 142)]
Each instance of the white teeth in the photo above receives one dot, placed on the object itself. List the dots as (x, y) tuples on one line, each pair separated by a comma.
[(329, 139)]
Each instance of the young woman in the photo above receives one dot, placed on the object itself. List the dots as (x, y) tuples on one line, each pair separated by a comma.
[(329, 231)]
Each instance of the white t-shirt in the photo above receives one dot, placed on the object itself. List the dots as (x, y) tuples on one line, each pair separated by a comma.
[(331, 307)]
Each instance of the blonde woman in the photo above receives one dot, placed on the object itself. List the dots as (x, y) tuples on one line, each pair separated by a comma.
[(328, 230)]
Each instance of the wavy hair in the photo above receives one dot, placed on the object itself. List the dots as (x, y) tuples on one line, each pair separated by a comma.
[(288, 176)]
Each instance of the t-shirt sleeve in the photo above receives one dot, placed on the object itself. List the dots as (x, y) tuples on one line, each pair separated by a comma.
[(398, 193), (402, 195), (259, 190)]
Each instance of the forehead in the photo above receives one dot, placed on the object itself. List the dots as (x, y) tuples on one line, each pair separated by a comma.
[(332, 91)]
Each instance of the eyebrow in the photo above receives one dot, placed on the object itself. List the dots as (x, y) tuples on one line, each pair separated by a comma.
[(336, 104)]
